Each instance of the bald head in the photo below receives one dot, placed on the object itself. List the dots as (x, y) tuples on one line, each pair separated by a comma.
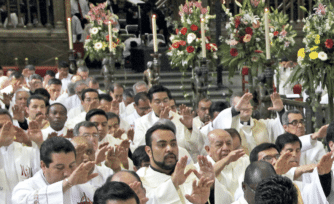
[(257, 171), (219, 144), (76, 78), (125, 176)]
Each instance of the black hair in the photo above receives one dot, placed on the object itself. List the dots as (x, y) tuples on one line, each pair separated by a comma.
[(35, 96), (50, 73), (30, 67), (330, 135), (16, 75), (63, 64), (113, 115), (5, 112), (158, 88), (140, 96), (112, 87), (49, 107), (286, 138), (114, 191), (105, 97), (86, 91), (54, 81), (233, 132), (139, 156), (93, 112), (159, 126), (254, 154), (128, 93), (217, 106), (276, 190), (55, 145), (42, 92), (36, 76)]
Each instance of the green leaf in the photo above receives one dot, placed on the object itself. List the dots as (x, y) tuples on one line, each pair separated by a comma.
[(238, 4), (303, 8)]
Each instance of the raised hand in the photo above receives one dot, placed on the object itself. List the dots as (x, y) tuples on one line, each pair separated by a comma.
[(123, 156), (18, 113), (321, 133), (277, 102), (16, 86), (22, 137), (165, 113), (235, 155), (35, 134), (187, 117), (82, 174), (7, 134), (79, 151), (69, 134), (100, 154), (41, 120), (244, 102), (7, 98), (93, 105), (125, 144), (283, 165), (141, 193), (325, 164), (178, 176), (201, 192), (118, 133), (112, 159), (130, 134), (206, 168), (51, 135)]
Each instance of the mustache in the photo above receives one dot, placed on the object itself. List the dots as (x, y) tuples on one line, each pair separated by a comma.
[(169, 154)]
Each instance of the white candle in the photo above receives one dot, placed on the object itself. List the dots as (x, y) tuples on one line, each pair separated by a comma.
[(154, 31), (203, 38), (70, 36), (110, 36), (266, 27)]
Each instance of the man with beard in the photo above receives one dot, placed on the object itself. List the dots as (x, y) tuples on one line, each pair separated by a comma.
[(294, 123), (57, 116), (168, 179)]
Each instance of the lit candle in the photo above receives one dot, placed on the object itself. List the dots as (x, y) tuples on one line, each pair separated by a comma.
[(266, 28), (70, 36), (110, 36), (203, 38), (154, 31)]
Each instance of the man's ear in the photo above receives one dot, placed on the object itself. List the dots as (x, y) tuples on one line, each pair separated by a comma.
[(148, 151), (243, 186), (135, 168), (207, 149), (43, 165), (331, 145), (285, 128)]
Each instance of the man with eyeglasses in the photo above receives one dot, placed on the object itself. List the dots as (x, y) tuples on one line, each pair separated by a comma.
[(142, 107), (294, 123)]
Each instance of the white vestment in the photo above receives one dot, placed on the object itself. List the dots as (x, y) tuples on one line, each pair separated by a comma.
[(161, 190), (17, 163), (38, 190), (124, 124), (313, 155), (65, 81), (50, 130), (241, 200), (74, 112), (9, 89), (79, 118), (103, 173), (132, 118), (70, 103), (121, 108), (83, 5)]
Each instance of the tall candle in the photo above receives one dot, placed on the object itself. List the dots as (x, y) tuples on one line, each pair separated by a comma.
[(154, 31), (266, 27), (110, 36), (70, 36), (203, 38)]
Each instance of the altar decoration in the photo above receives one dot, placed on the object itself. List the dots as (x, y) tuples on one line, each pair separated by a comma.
[(316, 59), (186, 50), (99, 43)]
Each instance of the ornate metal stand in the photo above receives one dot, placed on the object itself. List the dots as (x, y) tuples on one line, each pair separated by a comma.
[(152, 73), (200, 84), (73, 63), (108, 70)]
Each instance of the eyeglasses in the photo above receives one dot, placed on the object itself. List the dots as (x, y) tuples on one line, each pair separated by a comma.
[(270, 158), (91, 135), (296, 122)]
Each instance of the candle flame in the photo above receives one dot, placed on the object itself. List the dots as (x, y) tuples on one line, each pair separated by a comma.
[(109, 22), (266, 10), (154, 16), (69, 19)]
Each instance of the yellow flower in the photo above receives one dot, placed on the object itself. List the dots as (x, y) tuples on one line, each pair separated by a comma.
[(317, 41), (317, 37), (313, 55), (301, 52), (314, 47)]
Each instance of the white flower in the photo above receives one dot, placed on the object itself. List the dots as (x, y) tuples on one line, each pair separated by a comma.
[(271, 35), (184, 62), (215, 55), (94, 30), (188, 21), (98, 46), (191, 37), (322, 56)]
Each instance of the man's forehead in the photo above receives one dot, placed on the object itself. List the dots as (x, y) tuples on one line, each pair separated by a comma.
[(84, 129), (163, 135), (37, 101), (204, 104), (270, 151), (4, 118), (293, 145), (22, 93), (57, 107), (159, 95)]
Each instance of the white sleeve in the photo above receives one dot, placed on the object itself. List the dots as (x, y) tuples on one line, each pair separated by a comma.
[(165, 193), (223, 120), (139, 137), (24, 193), (222, 194), (307, 142)]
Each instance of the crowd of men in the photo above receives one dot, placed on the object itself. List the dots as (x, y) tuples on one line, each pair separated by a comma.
[(63, 140)]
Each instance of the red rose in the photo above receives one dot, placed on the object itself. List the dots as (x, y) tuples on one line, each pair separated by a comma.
[(176, 45), (88, 36), (177, 31), (214, 47), (244, 70), (258, 51), (276, 33), (182, 42), (297, 89), (241, 39), (117, 41), (237, 21), (190, 49), (194, 27), (207, 46), (249, 30), (184, 31), (233, 52), (329, 43)]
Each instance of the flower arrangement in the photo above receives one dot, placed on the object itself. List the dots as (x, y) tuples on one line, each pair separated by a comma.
[(97, 43), (316, 59), (186, 47), (281, 34), (245, 43)]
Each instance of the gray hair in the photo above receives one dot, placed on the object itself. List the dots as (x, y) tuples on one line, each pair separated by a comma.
[(19, 90), (128, 93), (86, 124), (285, 117), (83, 69), (93, 80), (70, 89), (35, 76), (78, 83), (139, 83)]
